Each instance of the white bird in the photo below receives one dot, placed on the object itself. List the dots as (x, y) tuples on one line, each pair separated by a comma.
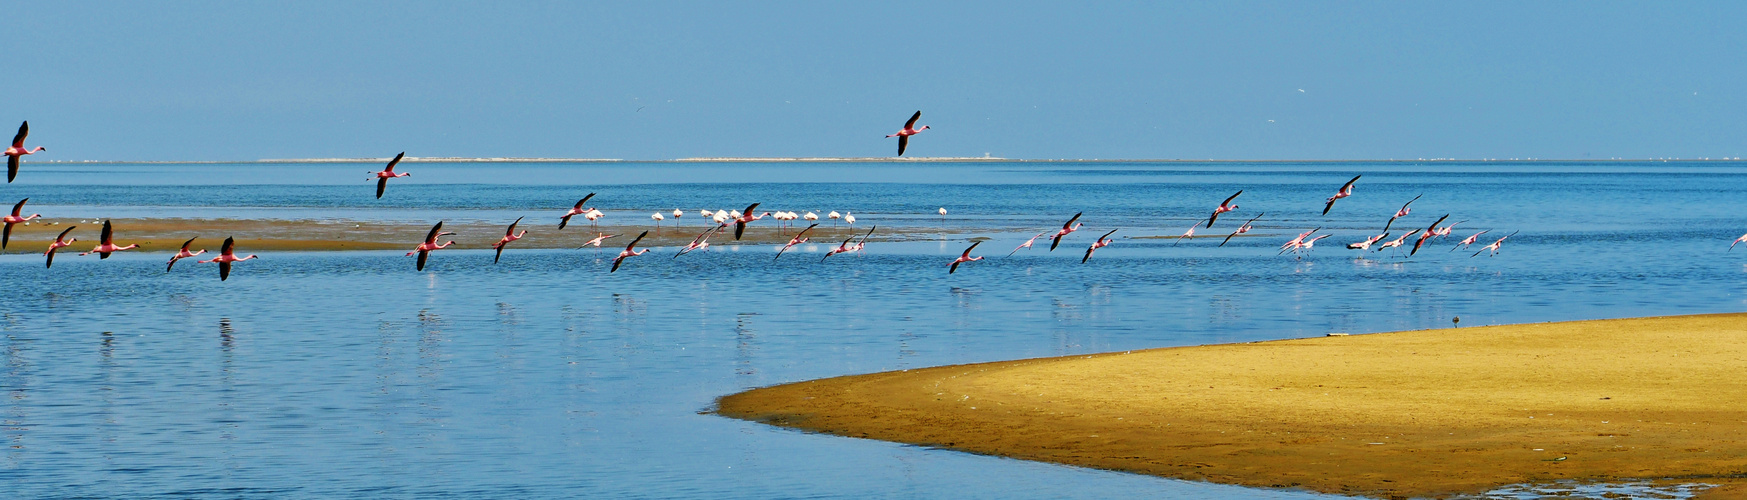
[(834, 215), (811, 216), (658, 218), (706, 214), (677, 213), (733, 214), (849, 218), (1743, 238)]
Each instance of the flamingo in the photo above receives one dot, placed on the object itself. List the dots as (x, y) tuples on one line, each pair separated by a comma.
[(677, 213), (593, 215), (706, 214), (1309, 245), (1494, 246), (509, 235), (810, 217), (1027, 243), (575, 210), (628, 252), (1446, 230), (599, 237), (1224, 206), (1241, 229), (1346, 190), (424, 249), (107, 245), (1737, 240), (1069, 227), (702, 241), (793, 241), (60, 241), (834, 215), (1429, 232), (658, 218), (841, 248), (16, 217), (1103, 241), (1298, 242), (388, 173), (909, 130), (1401, 213), (1395, 242), (1469, 241), (183, 254), (964, 257), (1366, 245), (226, 257), (745, 217), (849, 218), (18, 150), (863, 242), (1186, 234)]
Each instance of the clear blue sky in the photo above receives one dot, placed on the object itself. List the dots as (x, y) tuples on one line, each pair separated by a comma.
[(1017, 79)]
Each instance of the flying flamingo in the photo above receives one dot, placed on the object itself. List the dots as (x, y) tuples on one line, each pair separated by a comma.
[(702, 242), (1186, 234), (108, 244), (1466, 242), (1366, 245), (1241, 229), (388, 173), (1395, 242), (509, 235), (1066, 228), (599, 237), (1224, 206), (1446, 230), (16, 217), (1308, 245), (1298, 242), (1429, 232), (424, 249), (1103, 241), (1027, 243), (909, 130), (1494, 246), (863, 242), (183, 254), (576, 210), (965, 257), (226, 257), (60, 241), (18, 150), (1401, 213), (1346, 190), (1737, 240), (628, 252), (844, 247), (793, 241), (745, 217)]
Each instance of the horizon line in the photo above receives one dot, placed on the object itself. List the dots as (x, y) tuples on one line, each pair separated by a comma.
[(888, 159)]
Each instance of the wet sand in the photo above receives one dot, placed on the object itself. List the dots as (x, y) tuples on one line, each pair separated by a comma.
[(1404, 414)]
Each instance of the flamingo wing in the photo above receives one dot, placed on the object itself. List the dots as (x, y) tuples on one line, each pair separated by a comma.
[(954, 267), (749, 210), (24, 130), (381, 185), (6, 235), (582, 201), (512, 229), (224, 270), (11, 168), (1410, 202), (1349, 185), (1089, 251), (395, 161), (1070, 224), (189, 242), (634, 242), (1422, 236), (17, 210), (616, 261), (903, 142), (422, 255), (50, 264), (907, 125), (1233, 197), (967, 251), (499, 255), (230, 244), (1107, 235), (431, 237), (107, 233)]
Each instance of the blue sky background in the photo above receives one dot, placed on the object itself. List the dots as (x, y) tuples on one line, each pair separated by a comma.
[(658, 80)]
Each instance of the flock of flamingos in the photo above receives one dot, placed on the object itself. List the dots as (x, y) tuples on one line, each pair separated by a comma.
[(739, 219)]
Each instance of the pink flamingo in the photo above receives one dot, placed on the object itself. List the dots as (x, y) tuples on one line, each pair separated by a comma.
[(509, 235), (909, 130), (1445, 231), (1494, 246), (1346, 190), (745, 217), (388, 173), (1737, 240), (1366, 245), (1066, 228), (793, 241), (574, 211), (1297, 243), (599, 237), (1027, 243), (861, 244), (964, 257), (1241, 229), (1427, 234), (60, 241), (1395, 242), (1186, 234), (628, 252), (1224, 206), (1401, 213), (424, 249), (108, 245), (15, 218), (183, 254), (703, 241), (1466, 242), (226, 256), (844, 247), (18, 150), (1103, 241)]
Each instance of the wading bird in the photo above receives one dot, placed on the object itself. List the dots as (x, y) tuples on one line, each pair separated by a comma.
[(509, 235), (1466, 242), (1241, 229), (747, 216), (183, 254), (575, 211), (629, 252), (964, 257), (1401, 213), (60, 241), (1224, 206), (1430, 231), (1346, 190), (18, 150), (1103, 241), (1493, 247), (225, 258), (793, 241), (1027, 243), (388, 173), (424, 249), (1066, 228), (14, 218), (909, 130), (107, 245)]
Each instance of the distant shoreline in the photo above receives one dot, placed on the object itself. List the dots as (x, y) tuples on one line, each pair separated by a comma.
[(966, 159)]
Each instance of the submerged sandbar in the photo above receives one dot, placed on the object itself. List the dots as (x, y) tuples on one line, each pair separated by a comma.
[(1419, 413)]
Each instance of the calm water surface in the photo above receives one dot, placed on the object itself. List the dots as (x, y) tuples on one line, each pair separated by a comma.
[(350, 374)]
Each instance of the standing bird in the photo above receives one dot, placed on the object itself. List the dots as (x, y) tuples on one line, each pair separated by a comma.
[(1224, 206), (1427, 234), (17, 150), (745, 217), (677, 213), (810, 217), (628, 252), (424, 249), (1401, 213), (909, 130), (1103, 241), (849, 218), (574, 211), (1346, 190), (226, 257), (1493, 247), (388, 173), (965, 257), (183, 254), (1241, 229), (1069, 227), (658, 218), (107, 245), (509, 235), (1469, 241), (1027, 243), (60, 241), (793, 241), (1737, 240), (16, 217)]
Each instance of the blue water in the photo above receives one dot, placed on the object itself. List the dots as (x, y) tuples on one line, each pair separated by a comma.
[(352, 375)]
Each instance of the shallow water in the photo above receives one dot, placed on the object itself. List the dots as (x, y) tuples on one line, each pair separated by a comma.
[(350, 374)]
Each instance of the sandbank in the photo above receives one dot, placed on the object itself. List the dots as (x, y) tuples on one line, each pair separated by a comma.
[(1406, 414)]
